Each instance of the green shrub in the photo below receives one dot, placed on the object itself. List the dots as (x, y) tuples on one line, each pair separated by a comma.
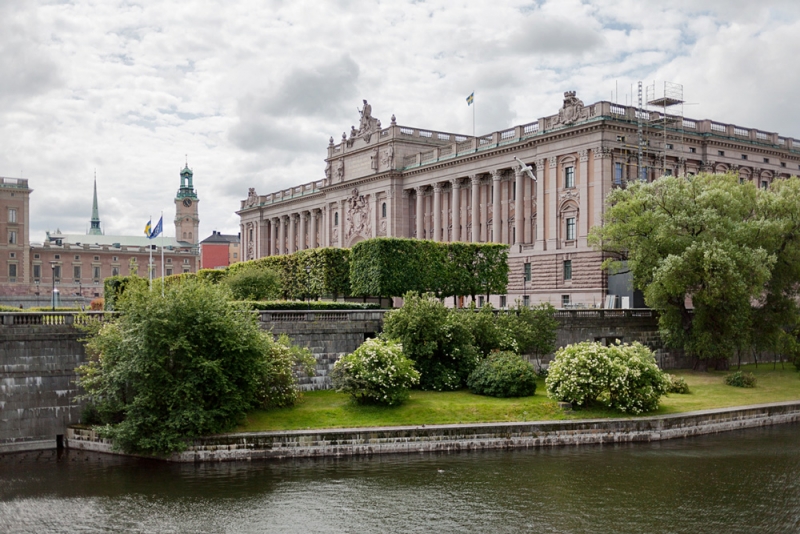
[(503, 374), (529, 330), (115, 286), (283, 362), (482, 324), (188, 363), (741, 379), (10, 309), (254, 283), (622, 377), (435, 338), (299, 305), (677, 384), (377, 372)]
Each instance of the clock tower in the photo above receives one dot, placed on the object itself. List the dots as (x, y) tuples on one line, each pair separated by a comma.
[(187, 222)]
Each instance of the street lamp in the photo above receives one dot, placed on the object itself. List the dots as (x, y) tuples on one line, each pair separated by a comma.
[(53, 269)]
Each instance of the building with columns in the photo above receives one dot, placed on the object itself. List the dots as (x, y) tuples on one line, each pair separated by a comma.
[(401, 181), (75, 265)]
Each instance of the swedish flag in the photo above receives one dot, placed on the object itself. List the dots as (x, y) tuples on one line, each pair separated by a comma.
[(471, 98), (147, 229)]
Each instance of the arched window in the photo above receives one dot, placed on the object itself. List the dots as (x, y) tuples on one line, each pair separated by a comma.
[(184, 235), (383, 210)]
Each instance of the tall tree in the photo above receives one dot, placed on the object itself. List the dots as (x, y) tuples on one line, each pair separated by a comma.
[(704, 250)]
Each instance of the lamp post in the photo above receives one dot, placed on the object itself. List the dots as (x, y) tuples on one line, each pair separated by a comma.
[(308, 286), (53, 294)]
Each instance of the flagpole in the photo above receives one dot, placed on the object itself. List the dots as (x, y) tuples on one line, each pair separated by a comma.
[(473, 114), (162, 254), (150, 263)]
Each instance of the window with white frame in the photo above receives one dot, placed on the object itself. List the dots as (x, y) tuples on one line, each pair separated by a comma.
[(565, 302), (570, 234), (569, 177), (12, 215)]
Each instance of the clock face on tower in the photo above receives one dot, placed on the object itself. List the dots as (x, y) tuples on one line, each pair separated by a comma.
[(187, 202)]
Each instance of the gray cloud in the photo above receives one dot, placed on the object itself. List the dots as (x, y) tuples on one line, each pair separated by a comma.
[(554, 36)]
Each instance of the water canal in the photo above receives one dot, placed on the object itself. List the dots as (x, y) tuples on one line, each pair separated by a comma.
[(745, 481)]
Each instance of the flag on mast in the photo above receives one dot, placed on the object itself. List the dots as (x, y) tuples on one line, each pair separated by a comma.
[(471, 98), (157, 230), (147, 228)]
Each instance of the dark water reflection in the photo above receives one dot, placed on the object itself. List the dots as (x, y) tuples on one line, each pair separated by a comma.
[(747, 481)]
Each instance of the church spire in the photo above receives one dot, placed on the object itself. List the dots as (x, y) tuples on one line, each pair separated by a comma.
[(95, 229)]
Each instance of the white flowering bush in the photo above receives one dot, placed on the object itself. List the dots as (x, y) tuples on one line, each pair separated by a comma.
[(622, 377), (376, 372)]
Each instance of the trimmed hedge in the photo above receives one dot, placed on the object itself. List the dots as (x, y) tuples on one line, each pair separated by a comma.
[(390, 267), (314, 305)]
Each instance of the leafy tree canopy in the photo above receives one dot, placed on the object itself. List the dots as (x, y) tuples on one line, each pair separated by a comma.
[(712, 254)]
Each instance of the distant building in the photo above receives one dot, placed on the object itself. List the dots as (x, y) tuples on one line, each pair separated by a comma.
[(400, 181), (219, 250), (77, 264)]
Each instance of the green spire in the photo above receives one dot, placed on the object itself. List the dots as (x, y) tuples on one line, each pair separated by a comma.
[(95, 229)]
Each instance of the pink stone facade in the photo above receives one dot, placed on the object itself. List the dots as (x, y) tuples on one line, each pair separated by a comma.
[(410, 182)]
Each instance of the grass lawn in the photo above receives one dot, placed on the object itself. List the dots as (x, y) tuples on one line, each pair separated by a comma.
[(328, 409)]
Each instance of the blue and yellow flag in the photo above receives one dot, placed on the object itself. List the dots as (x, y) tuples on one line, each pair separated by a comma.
[(157, 230), (471, 98), (147, 228)]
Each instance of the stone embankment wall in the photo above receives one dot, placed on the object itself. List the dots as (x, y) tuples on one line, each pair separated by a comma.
[(38, 357), (451, 438)]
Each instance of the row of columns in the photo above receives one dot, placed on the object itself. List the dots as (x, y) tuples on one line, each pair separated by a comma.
[(475, 181), (308, 225)]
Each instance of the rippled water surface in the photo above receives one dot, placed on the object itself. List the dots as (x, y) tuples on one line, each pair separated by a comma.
[(745, 481)]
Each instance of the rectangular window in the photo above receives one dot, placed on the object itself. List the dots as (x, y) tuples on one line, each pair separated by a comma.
[(169, 271), (526, 301), (527, 272), (185, 260), (766, 160), (720, 152), (97, 258), (565, 301), (169, 260), (764, 184), (503, 301), (12, 255), (35, 256), (620, 138), (37, 271), (669, 146), (643, 174), (783, 164), (12, 237), (12, 272), (77, 258), (12, 215), (115, 271), (693, 150), (567, 269), (115, 258), (617, 173), (571, 229), (744, 156), (57, 272), (569, 177), (57, 256), (235, 255), (668, 172), (76, 272), (185, 269), (96, 272), (480, 302)]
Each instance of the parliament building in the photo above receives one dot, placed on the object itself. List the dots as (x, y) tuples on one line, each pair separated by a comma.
[(538, 187)]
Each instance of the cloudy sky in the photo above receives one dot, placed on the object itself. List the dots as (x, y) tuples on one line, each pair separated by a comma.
[(252, 90)]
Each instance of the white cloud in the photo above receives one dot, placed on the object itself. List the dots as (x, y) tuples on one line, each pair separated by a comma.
[(252, 90)]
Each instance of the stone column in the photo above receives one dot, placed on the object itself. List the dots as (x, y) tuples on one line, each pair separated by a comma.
[(541, 177), (476, 214), (419, 190), (342, 222), (583, 201), (292, 234), (455, 202), (496, 235), (376, 214), (519, 209), (553, 230), (312, 239), (326, 226), (301, 239), (282, 235), (389, 211), (437, 212)]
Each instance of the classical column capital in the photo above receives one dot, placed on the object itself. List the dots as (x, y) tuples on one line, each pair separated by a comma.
[(455, 183), (553, 161), (475, 179), (583, 155), (497, 175), (437, 188), (420, 189), (540, 164)]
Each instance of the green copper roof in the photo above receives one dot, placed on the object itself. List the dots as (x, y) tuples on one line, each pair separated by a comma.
[(95, 224)]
